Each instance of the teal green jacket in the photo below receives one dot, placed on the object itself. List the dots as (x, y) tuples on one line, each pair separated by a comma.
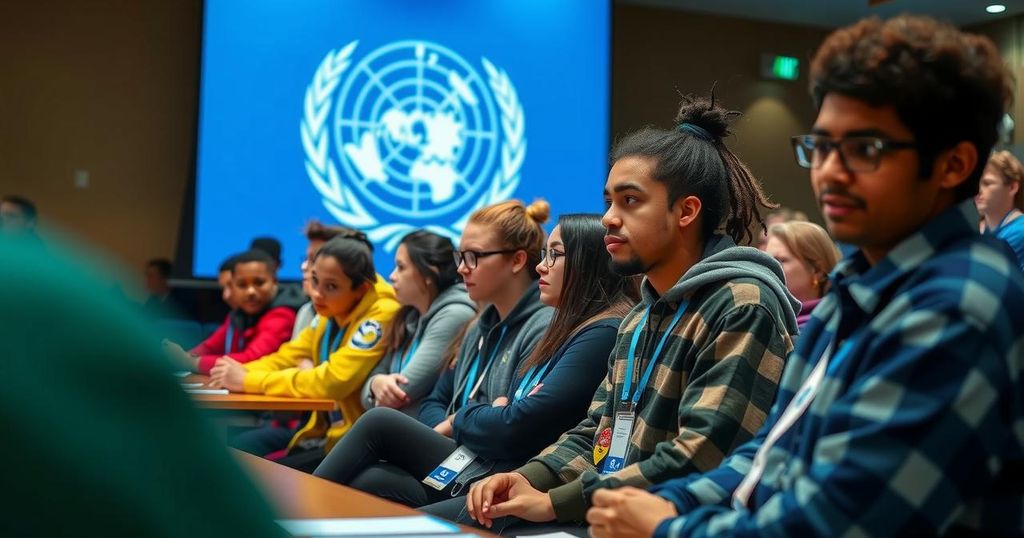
[(99, 439)]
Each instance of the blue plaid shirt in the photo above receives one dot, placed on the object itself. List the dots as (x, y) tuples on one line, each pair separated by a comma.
[(919, 430)]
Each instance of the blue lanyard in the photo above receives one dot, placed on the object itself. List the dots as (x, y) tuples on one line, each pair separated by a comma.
[(631, 357), (228, 343), (408, 355), (325, 352), (471, 377), (528, 382)]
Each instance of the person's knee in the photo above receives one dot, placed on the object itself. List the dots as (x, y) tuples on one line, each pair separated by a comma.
[(377, 425)]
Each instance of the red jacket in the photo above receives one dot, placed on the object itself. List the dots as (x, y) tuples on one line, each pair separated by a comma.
[(272, 329)]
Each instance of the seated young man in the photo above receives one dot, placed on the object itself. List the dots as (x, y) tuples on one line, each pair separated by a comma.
[(260, 322), (900, 412), (696, 364)]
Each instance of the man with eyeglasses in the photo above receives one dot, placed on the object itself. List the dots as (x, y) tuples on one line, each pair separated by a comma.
[(900, 410)]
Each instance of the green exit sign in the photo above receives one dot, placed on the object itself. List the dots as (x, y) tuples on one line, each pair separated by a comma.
[(777, 67)]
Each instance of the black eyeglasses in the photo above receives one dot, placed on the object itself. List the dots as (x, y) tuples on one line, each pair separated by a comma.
[(472, 257), (549, 255), (857, 153)]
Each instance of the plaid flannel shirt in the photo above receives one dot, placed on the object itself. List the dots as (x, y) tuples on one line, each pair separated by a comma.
[(709, 393), (917, 431)]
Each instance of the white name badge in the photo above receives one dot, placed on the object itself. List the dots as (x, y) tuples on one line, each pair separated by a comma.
[(621, 432), (450, 468)]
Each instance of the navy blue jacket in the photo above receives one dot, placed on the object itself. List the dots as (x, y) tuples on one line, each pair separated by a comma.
[(523, 428)]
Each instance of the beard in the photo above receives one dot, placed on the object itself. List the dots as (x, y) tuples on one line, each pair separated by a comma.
[(632, 266)]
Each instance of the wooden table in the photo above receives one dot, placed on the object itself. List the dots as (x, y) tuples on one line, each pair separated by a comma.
[(298, 495), (254, 402)]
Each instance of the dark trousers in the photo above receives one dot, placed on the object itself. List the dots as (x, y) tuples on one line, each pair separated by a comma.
[(262, 440), (387, 453)]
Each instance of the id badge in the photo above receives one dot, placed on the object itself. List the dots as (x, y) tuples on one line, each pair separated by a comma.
[(620, 442), (450, 468)]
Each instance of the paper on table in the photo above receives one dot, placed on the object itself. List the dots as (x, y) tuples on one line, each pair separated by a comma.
[(191, 385), (368, 526), (207, 391), (183, 373), (547, 535)]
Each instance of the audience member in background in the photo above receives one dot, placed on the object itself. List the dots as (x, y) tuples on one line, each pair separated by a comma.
[(316, 235), (353, 305), (1000, 200), (696, 364), (548, 394), (224, 272), (778, 216), (435, 306), (261, 322), (162, 301), (293, 292), (158, 301), (900, 410), (99, 438), (271, 246), (807, 255), (17, 216)]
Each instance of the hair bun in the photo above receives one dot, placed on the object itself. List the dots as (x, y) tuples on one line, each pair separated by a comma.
[(538, 211), (705, 114), (356, 235)]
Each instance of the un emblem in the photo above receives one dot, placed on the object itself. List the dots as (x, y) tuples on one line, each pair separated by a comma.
[(410, 132)]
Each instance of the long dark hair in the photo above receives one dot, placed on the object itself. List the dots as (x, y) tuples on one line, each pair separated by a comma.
[(591, 291), (431, 255), (692, 160)]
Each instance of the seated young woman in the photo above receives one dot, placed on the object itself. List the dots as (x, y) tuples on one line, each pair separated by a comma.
[(435, 306), (547, 395), (353, 306), (260, 321)]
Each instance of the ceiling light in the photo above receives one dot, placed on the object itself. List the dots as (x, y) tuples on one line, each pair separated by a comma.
[(996, 8)]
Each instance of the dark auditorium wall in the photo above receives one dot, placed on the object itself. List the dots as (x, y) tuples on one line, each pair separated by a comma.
[(1008, 35), (110, 87), (657, 53)]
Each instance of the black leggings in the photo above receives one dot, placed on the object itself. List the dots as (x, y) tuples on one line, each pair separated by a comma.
[(387, 453)]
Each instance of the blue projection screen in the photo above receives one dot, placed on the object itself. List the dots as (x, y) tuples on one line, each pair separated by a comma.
[(394, 115)]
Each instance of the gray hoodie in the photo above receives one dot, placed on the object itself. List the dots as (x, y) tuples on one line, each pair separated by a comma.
[(723, 261), (433, 331), (523, 328)]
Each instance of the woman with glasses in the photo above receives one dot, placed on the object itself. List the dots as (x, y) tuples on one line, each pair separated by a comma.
[(546, 394), (435, 306)]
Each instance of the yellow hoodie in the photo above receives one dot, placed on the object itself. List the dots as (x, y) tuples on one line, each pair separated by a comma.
[(341, 377)]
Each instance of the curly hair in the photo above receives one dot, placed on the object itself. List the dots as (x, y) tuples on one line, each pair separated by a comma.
[(947, 86)]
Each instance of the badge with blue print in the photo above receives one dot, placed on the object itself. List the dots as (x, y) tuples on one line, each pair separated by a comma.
[(450, 468), (616, 458), (367, 335)]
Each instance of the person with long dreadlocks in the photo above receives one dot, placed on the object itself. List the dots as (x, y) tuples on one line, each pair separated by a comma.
[(696, 365)]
